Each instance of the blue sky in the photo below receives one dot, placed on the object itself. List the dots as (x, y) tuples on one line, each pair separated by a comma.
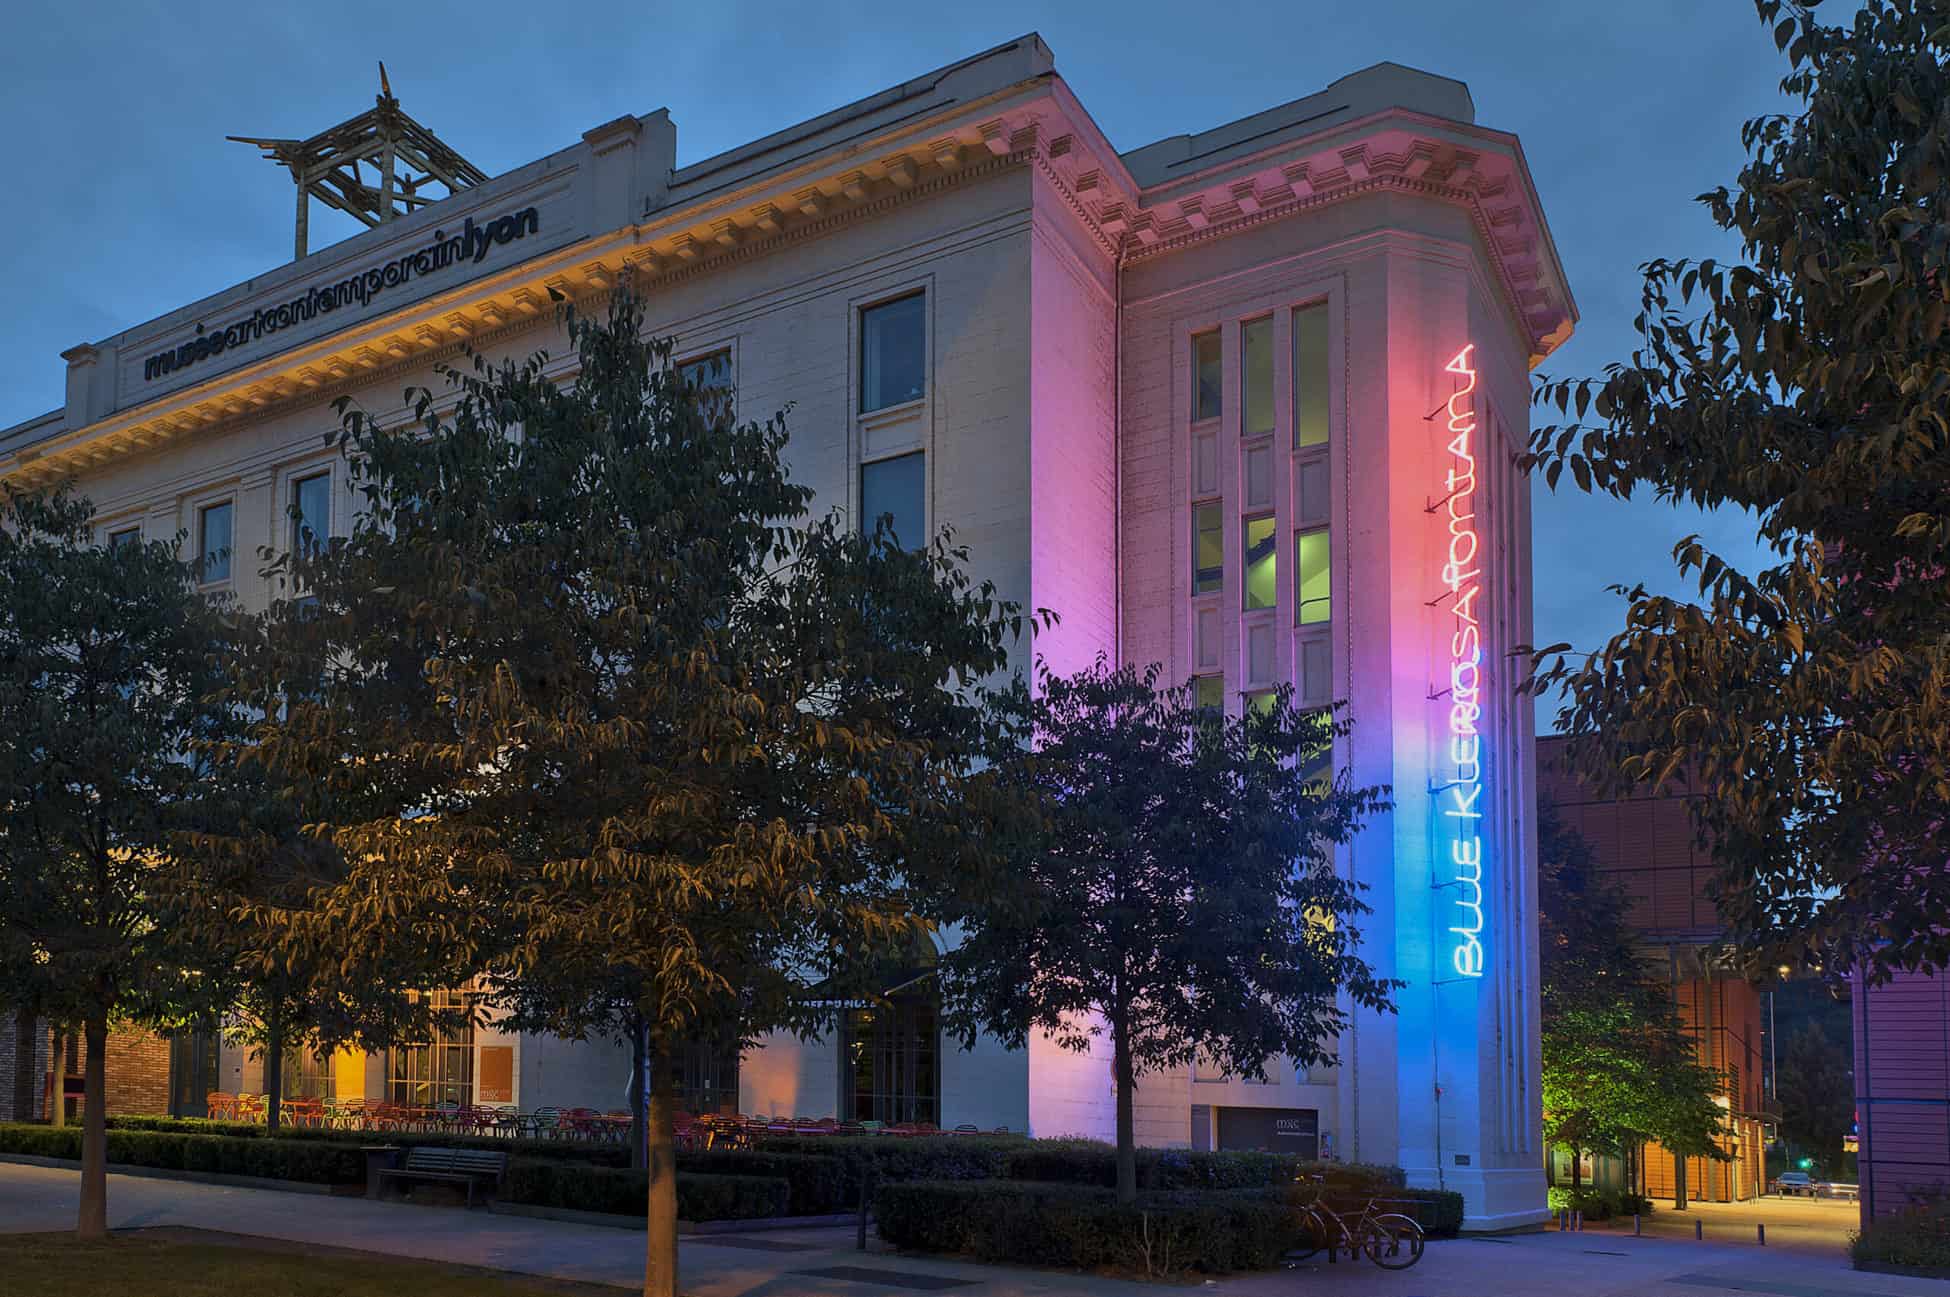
[(128, 201)]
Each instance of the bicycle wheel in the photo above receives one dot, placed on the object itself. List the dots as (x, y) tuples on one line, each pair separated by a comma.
[(1313, 1237), (1392, 1242)]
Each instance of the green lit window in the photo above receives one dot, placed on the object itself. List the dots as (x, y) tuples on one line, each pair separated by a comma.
[(1262, 564), (1256, 377), (1261, 704), (1317, 765), (1208, 377), (1208, 549), (1312, 576), (1310, 376), (1209, 693)]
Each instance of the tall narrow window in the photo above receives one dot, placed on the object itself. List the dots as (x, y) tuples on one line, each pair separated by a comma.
[(437, 1070), (1208, 548), (1256, 377), (213, 542), (1313, 578), (1262, 564), (896, 488), (1310, 375), (1209, 693), (311, 513), (713, 379), (1208, 377), (893, 353)]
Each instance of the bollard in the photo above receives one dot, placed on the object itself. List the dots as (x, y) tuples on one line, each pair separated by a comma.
[(1638, 1225), (1577, 1222), (1699, 1231), (1761, 1231), (1563, 1219)]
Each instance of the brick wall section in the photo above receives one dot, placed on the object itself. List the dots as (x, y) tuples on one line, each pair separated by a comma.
[(11, 1109), (137, 1072)]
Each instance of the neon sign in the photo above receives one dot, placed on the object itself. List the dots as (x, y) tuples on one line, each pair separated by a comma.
[(1460, 800)]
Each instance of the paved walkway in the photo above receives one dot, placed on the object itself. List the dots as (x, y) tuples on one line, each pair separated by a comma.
[(1590, 1264)]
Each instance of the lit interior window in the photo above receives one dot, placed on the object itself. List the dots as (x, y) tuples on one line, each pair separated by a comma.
[(1262, 564), (1208, 377), (1312, 576), (1310, 376), (1208, 549)]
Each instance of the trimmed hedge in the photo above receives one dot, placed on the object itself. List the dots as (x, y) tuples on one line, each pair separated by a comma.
[(818, 1186), (563, 1150), (946, 1157), (1090, 1162), (545, 1182), (1083, 1227), (310, 1161)]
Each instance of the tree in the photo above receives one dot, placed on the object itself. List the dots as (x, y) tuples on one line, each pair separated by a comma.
[(594, 710), (108, 659), (1816, 1087), (1180, 894), (1619, 1068), (1807, 384)]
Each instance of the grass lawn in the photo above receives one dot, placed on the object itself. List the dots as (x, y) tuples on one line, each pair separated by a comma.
[(185, 1263)]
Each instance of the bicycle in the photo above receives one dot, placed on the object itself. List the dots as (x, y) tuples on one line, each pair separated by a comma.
[(1389, 1239)]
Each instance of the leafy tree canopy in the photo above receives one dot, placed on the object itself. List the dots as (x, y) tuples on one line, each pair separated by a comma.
[(1178, 892), (593, 710), (1808, 383)]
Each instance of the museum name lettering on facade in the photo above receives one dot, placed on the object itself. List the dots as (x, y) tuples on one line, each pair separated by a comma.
[(469, 244)]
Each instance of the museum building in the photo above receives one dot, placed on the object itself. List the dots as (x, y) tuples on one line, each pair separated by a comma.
[(1243, 402)]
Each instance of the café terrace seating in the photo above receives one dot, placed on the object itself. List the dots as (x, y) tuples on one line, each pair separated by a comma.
[(707, 1130)]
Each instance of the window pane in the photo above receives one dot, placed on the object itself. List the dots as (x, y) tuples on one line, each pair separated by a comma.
[(1209, 693), (1256, 377), (1208, 377), (1261, 704), (893, 353), (1310, 376), (897, 487), (126, 536), (311, 513), (1312, 585), (1262, 590), (1208, 549), (213, 542), (711, 376)]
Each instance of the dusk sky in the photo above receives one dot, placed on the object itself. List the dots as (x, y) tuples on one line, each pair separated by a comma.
[(130, 203)]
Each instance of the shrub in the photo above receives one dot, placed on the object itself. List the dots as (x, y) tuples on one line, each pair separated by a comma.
[(948, 1157), (1080, 1226), (1438, 1211), (310, 1161), (1596, 1204), (546, 1182), (1918, 1237), (601, 1154), (1090, 1162), (820, 1186)]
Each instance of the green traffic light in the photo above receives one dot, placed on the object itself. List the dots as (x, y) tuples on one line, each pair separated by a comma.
[(1807, 1162)]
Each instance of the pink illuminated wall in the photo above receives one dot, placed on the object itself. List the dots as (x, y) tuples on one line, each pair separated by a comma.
[(1902, 1090)]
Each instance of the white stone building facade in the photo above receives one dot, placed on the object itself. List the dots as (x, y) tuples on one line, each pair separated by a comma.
[(1242, 402)]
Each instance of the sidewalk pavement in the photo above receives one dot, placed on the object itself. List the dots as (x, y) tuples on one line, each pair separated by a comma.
[(789, 1263)]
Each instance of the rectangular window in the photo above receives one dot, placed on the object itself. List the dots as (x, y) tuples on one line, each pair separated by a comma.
[(893, 353), (896, 488), (213, 541), (1209, 693), (1261, 703), (308, 1075), (440, 1070), (1317, 765), (1262, 564), (311, 513), (1312, 577), (890, 1062), (713, 379), (1208, 548), (1208, 377), (1310, 375), (126, 536), (1256, 377)]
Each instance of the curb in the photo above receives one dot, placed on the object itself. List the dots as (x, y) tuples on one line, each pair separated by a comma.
[(187, 1177), (1909, 1271)]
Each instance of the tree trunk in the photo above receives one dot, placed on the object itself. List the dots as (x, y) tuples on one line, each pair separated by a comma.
[(273, 1066), (1577, 1169), (1121, 1072), (93, 1223), (1678, 1183), (57, 1070), (639, 1094), (660, 1248)]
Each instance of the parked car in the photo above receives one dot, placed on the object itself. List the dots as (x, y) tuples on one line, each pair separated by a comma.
[(1829, 1189), (1793, 1184)]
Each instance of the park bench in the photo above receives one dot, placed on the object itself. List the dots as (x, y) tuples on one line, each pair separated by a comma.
[(464, 1166)]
